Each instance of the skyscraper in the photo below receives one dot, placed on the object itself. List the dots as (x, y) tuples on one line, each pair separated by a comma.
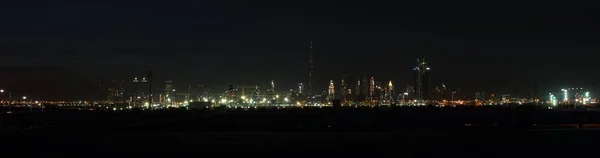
[(358, 90), (372, 89), (344, 88), (300, 88), (272, 86), (422, 80), (169, 95), (311, 69), (365, 88), (331, 91)]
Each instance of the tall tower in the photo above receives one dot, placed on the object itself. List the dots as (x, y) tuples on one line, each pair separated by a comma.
[(311, 69), (421, 80), (331, 90), (358, 90), (365, 87), (344, 88), (169, 96), (273, 86), (390, 92), (372, 89)]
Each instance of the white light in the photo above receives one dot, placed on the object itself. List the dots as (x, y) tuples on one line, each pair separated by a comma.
[(24, 97), (587, 94), (1, 90), (285, 99)]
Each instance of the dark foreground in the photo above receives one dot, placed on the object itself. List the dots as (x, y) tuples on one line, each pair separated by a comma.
[(417, 132)]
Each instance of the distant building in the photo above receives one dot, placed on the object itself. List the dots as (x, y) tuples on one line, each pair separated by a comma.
[(300, 89), (344, 88), (331, 92), (372, 89), (169, 95), (311, 70), (422, 80), (575, 96), (358, 90), (116, 92)]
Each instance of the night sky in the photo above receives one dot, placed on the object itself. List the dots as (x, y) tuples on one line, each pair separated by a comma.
[(63, 49)]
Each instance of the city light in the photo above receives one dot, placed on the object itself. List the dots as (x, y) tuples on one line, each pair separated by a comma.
[(566, 97), (587, 98)]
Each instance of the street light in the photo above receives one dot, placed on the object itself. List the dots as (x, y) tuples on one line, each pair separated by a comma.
[(25, 100), (9, 99)]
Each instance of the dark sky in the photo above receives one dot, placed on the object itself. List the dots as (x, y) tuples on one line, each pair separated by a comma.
[(62, 49)]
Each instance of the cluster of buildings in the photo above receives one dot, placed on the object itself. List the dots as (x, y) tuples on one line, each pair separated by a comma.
[(571, 97), (360, 90)]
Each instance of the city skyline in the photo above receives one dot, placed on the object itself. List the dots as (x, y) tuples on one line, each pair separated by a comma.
[(65, 50)]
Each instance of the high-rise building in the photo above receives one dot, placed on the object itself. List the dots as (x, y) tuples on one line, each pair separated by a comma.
[(422, 80), (300, 88), (358, 90), (365, 87), (311, 69), (479, 98), (272, 86), (389, 95), (331, 93), (169, 95), (111, 91), (372, 89), (116, 92), (344, 88), (138, 95)]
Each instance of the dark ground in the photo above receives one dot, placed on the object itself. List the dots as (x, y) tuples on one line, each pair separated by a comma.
[(416, 132)]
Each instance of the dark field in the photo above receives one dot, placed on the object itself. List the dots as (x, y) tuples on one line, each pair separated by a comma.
[(405, 132)]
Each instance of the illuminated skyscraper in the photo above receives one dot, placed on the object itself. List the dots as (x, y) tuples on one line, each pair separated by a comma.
[(169, 95), (422, 80), (390, 92), (311, 69), (300, 88), (272, 85), (331, 90)]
